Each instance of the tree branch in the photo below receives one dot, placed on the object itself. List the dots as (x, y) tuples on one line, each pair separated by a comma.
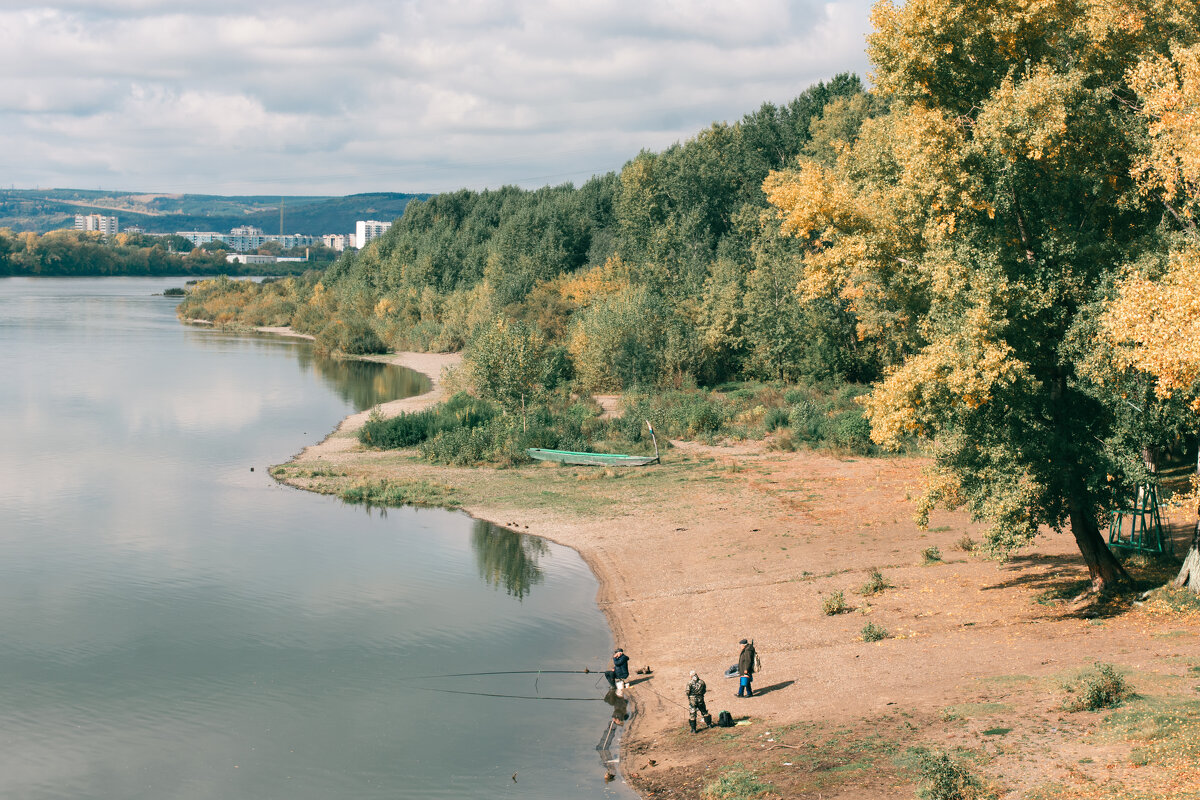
[(1030, 256)]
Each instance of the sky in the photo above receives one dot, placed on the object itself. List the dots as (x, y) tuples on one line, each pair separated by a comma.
[(304, 97)]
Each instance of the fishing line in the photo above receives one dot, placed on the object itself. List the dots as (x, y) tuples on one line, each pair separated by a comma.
[(505, 672), (669, 700), (514, 696)]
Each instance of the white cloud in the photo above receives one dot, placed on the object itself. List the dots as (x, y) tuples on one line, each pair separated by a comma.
[(311, 97)]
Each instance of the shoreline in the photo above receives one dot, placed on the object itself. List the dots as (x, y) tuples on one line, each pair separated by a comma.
[(725, 542)]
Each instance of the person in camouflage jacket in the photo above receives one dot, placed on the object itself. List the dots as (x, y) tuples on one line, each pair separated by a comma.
[(695, 696)]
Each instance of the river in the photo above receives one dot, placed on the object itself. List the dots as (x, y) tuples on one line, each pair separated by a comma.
[(175, 624)]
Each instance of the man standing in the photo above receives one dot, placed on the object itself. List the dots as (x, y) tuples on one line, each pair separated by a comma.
[(620, 670), (695, 696), (746, 669)]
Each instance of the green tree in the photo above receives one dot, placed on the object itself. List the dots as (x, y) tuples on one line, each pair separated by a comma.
[(506, 362)]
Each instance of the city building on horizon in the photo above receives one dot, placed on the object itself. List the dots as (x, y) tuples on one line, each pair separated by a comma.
[(96, 222), (367, 229), (241, 241), (337, 242)]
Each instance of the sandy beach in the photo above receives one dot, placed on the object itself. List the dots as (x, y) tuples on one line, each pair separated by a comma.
[(724, 542)]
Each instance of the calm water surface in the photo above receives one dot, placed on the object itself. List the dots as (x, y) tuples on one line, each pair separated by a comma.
[(173, 624)]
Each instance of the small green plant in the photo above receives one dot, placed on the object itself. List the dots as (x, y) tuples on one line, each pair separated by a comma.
[(966, 544), (1100, 687), (736, 783), (875, 584), (873, 633), (834, 604), (931, 555), (945, 778)]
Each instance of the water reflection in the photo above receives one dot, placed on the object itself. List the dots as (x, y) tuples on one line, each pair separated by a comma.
[(507, 558), (363, 383)]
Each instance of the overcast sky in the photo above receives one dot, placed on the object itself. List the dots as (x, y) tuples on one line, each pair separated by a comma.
[(307, 97)]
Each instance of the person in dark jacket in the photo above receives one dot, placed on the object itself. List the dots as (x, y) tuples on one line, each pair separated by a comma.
[(695, 695), (620, 670), (746, 669)]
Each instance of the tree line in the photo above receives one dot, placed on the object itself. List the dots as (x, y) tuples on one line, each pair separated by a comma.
[(67, 253)]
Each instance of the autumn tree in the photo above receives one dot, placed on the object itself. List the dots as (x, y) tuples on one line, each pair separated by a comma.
[(975, 227), (1155, 318)]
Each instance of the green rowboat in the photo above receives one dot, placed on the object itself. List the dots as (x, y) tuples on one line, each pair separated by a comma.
[(590, 459)]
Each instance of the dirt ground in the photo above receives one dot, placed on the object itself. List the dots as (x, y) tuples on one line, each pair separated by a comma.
[(723, 542)]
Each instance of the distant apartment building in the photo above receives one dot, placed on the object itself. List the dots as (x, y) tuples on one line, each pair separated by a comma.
[(134, 229), (248, 238), (366, 230), (337, 242), (96, 222), (252, 258), (201, 237)]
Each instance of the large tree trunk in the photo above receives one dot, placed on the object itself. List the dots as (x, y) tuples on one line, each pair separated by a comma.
[(1106, 572), (1189, 573)]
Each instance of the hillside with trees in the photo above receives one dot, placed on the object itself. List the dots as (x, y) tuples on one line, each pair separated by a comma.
[(44, 210)]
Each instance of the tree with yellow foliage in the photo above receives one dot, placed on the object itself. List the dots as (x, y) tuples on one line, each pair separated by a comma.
[(974, 228), (1156, 315)]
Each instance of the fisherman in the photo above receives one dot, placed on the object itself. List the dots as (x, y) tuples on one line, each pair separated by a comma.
[(746, 663), (620, 670), (695, 696)]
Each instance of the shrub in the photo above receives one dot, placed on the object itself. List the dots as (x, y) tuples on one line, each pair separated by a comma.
[(875, 584), (1102, 687), (931, 555), (873, 633), (352, 336), (775, 418), (174, 291), (966, 544), (834, 604), (411, 429), (852, 431), (944, 778)]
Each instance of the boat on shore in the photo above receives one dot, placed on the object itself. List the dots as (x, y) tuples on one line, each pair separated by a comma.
[(590, 459)]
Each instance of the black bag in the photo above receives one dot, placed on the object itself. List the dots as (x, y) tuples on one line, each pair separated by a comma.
[(724, 720)]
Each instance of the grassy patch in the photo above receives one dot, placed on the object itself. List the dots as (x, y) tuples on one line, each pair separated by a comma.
[(966, 710), (1170, 600), (931, 555), (736, 782), (945, 777), (390, 494)]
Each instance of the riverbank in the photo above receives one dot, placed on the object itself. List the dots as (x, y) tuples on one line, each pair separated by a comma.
[(724, 542)]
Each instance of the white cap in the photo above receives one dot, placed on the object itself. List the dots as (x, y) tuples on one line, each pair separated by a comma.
[(693, 673)]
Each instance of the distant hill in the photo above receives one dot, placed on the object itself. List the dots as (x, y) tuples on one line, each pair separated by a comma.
[(42, 210)]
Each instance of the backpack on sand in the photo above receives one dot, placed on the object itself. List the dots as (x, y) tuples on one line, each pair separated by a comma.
[(724, 720)]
